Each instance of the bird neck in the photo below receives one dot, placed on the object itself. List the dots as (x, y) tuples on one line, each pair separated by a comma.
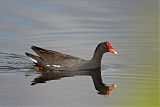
[(98, 83), (98, 54)]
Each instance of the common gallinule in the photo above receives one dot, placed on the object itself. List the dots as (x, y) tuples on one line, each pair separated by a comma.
[(52, 60)]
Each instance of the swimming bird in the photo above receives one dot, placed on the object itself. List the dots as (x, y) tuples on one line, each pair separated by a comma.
[(53, 60)]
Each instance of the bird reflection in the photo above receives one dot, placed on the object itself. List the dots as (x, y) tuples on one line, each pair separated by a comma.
[(94, 73)]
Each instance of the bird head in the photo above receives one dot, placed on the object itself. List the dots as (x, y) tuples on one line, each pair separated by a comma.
[(108, 48)]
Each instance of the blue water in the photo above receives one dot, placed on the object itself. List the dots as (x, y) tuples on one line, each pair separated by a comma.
[(75, 28)]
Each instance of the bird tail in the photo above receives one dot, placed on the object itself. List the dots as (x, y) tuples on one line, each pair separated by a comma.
[(34, 58)]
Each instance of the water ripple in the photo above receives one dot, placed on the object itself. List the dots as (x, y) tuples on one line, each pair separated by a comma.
[(13, 62)]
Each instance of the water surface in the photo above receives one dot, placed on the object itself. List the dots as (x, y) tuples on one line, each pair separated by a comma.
[(75, 28)]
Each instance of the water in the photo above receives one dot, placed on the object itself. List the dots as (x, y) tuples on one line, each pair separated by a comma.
[(76, 28)]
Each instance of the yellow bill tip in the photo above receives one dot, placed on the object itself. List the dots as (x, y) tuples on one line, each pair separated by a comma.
[(113, 51)]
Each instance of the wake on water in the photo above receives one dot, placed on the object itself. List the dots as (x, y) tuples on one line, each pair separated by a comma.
[(10, 62)]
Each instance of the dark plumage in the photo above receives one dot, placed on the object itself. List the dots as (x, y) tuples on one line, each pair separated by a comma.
[(52, 60), (94, 73)]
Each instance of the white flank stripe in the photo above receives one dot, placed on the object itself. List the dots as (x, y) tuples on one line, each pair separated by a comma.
[(33, 59), (58, 66)]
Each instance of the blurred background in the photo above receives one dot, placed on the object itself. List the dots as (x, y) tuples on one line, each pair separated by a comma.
[(76, 27)]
